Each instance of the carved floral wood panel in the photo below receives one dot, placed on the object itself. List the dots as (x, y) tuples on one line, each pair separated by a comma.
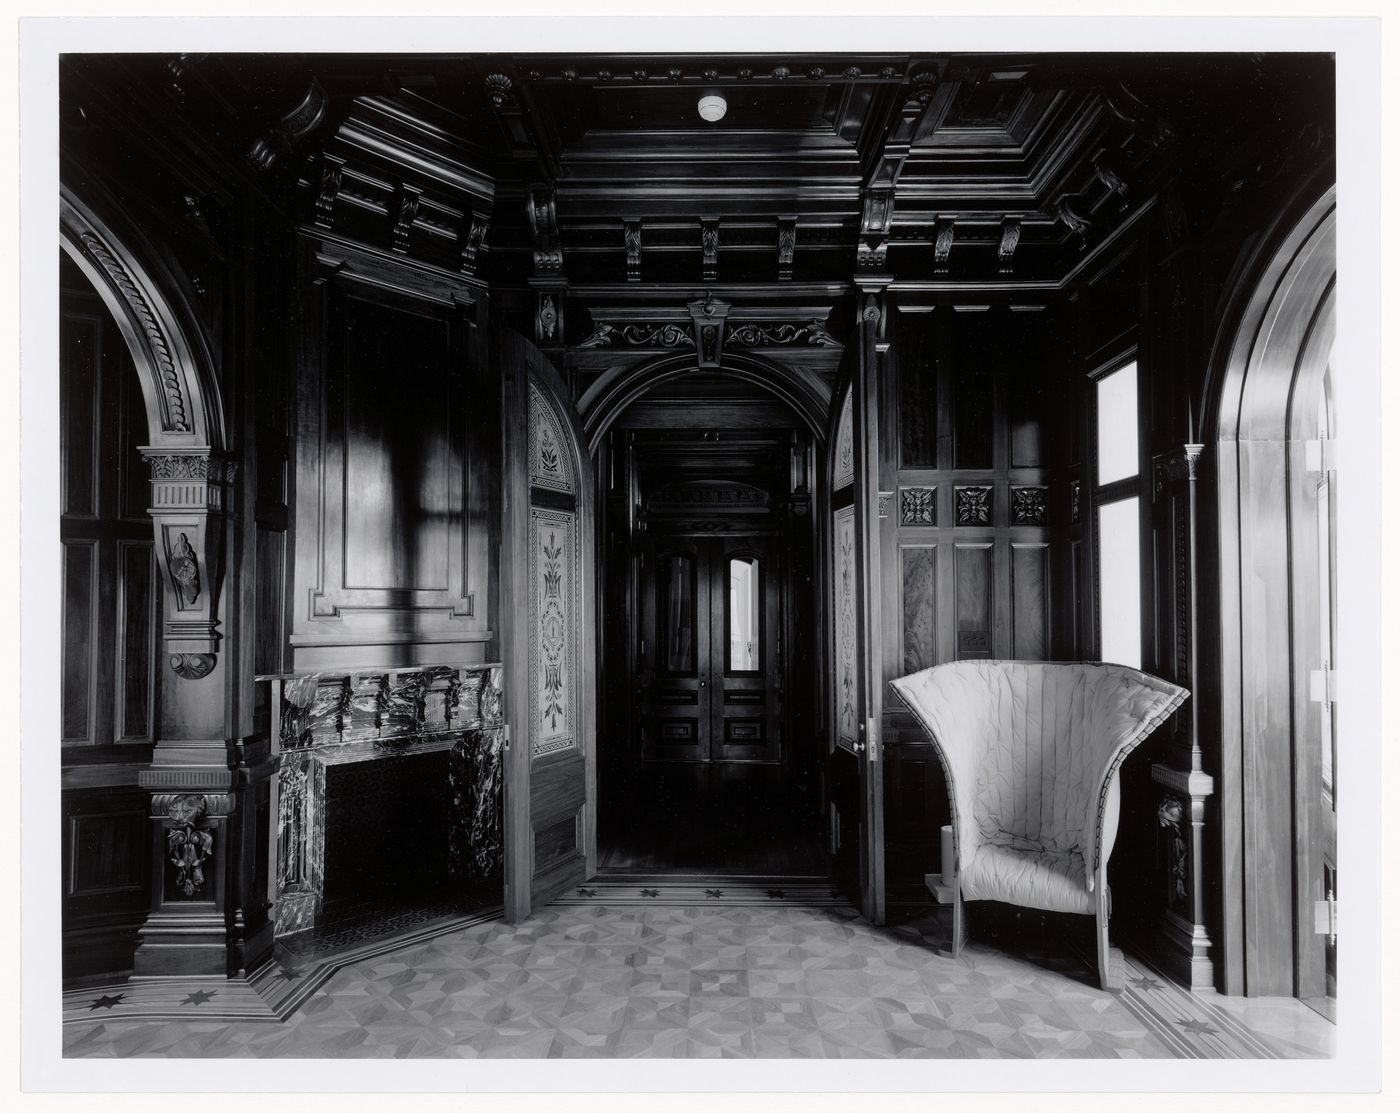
[(847, 683), (554, 619), (845, 467), (549, 462)]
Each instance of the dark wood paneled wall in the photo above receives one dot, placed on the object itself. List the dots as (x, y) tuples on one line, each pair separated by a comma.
[(397, 465), (111, 614), (972, 484)]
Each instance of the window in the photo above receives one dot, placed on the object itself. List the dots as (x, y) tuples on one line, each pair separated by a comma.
[(1117, 517), (744, 626)]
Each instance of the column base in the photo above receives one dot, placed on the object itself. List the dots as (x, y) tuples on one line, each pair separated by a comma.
[(179, 944)]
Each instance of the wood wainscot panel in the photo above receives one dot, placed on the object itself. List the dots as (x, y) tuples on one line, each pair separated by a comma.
[(111, 603), (1030, 600), (136, 641), (973, 564), (919, 585), (79, 642), (918, 393), (106, 879)]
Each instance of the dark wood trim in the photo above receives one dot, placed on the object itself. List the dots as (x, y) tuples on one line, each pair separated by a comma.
[(1256, 702)]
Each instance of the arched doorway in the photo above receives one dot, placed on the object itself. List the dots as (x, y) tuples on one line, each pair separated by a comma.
[(710, 754), (1275, 486)]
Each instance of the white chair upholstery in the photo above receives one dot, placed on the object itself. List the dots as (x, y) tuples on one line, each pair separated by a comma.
[(1031, 752)]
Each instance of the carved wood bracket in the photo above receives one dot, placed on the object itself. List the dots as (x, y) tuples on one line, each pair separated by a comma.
[(188, 504)]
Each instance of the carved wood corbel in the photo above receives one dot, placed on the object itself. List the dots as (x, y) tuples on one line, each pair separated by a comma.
[(544, 231), (709, 245), (188, 499), (943, 244), (787, 247), (1006, 248), (632, 240), (472, 238)]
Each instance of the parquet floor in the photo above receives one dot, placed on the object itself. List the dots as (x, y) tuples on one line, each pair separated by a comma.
[(686, 976)]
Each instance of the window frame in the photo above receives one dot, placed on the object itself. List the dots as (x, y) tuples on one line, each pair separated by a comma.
[(1115, 491)]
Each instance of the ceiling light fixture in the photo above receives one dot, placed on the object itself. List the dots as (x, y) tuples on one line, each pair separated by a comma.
[(712, 107)]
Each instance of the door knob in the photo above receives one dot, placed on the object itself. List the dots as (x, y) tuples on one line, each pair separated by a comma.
[(702, 683), (858, 747)]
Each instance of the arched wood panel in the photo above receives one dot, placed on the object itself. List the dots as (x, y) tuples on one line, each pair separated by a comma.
[(547, 632)]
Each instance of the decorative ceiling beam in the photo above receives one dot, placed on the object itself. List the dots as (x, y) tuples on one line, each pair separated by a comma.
[(882, 179)]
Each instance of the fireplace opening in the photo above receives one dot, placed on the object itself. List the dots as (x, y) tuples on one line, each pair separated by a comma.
[(388, 805), (387, 826)]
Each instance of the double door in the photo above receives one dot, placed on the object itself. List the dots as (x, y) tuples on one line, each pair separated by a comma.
[(711, 649)]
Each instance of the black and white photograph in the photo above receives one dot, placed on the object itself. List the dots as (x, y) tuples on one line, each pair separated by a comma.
[(673, 546)]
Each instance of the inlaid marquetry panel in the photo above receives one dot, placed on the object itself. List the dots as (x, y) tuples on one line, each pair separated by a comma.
[(550, 467), (847, 686), (554, 617), (843, 474)]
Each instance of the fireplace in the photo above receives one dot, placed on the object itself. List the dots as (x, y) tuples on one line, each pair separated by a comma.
[(387, 794)]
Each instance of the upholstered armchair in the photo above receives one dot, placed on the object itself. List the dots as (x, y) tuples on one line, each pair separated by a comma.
[(1031, 752)]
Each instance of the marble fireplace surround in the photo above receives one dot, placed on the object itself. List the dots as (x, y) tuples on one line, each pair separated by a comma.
[(321, 719)]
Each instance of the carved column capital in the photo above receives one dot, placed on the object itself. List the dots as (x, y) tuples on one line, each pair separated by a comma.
[(1179, 465), (189, 489)]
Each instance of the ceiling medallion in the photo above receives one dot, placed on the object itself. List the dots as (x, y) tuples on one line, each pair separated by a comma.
[(712, 107)]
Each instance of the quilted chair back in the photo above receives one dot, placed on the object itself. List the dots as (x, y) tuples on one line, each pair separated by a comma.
[(1029, 747)]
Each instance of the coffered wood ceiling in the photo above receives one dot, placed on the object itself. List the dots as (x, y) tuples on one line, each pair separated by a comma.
[(597, 175)]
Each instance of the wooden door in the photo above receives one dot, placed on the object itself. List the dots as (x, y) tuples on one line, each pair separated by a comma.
[(711, 650), (746, 686), (855, 790), (547, 633)]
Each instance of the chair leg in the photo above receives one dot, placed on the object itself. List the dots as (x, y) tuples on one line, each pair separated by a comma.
[(959, 923), (1112, 974)]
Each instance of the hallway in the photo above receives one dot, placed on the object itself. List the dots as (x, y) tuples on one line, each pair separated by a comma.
[(622, 974), (722, 820)]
